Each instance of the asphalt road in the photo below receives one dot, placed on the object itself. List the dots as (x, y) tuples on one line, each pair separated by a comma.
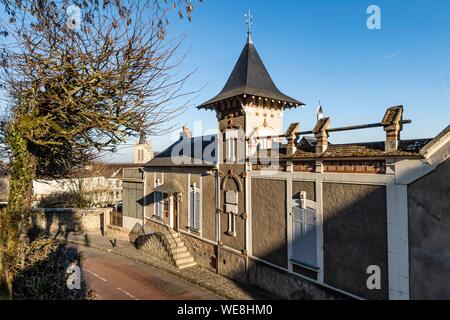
[(116, 278)]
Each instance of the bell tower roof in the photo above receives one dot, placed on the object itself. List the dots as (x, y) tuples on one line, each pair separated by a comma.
[(251, 78)]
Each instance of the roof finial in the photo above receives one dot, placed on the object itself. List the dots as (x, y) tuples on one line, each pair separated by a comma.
[(249, 23), (319, 112)]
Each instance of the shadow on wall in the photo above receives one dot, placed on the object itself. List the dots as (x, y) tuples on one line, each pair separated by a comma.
[(355, 237), (57, 223)]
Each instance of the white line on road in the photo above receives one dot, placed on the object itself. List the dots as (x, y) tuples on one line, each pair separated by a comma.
[(95, 275), (128, 294)]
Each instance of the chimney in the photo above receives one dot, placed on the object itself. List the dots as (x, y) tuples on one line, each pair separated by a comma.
[(291, 136), (321, 134), (392, 123), (186, 133)]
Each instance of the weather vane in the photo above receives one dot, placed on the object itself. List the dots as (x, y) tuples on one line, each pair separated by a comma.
[(249, 23)]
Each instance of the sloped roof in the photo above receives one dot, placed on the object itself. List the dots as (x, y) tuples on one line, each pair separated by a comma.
[(305, 151), (250, 77), (193, 152), (406, 148)]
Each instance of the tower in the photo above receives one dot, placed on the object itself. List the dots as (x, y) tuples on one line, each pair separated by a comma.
[(250, 101), (142, 151)]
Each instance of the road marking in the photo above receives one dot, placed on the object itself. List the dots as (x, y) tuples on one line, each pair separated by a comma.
[(95, 275), (128, 294)]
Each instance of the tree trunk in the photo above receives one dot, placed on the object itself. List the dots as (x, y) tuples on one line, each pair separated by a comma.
[(15, 220)]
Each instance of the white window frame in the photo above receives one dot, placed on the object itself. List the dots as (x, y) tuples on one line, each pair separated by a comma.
[(230, 145), (194, 190)]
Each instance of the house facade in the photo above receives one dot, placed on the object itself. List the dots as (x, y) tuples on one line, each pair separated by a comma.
[(293, 214)]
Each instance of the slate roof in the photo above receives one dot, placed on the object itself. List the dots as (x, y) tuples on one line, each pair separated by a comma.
[(187, 153), (407, 148), (250, 77)]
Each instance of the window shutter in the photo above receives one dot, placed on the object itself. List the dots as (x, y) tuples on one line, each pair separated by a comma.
[(197, 211), (156, 203), (310, 238), (192, 210), (305, 235)]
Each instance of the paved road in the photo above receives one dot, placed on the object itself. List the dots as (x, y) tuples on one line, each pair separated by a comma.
[(117, 278)]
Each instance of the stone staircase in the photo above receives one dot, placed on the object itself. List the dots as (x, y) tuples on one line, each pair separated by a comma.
[(177, 250)]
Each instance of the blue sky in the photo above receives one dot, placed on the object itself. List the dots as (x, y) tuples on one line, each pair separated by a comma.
[(323, 50)]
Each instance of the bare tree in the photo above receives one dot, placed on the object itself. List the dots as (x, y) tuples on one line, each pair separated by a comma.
[(77, 81)]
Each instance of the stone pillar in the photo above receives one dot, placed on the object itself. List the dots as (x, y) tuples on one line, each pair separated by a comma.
[(392, 123), (321, 135), (291, 136)]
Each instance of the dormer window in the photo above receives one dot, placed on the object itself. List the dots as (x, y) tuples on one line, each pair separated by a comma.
[(230, 146)]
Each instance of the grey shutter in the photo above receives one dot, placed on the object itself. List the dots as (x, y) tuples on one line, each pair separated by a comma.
[(305, 236), (197, 211), (192, 209), (310, 238), (157, 201), (297, 232)]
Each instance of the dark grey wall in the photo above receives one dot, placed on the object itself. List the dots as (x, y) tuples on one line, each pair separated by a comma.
[(355, 237), (429, 236), (269, 230), (308, 186)]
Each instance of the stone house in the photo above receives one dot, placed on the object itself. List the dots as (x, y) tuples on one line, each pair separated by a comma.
[(293, 214)]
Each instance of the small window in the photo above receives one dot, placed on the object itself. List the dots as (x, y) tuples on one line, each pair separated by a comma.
[(230, 138), (195, 207), (231, 208), (141, 155)]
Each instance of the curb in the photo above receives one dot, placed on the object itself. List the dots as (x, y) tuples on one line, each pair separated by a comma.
[(161, 268)]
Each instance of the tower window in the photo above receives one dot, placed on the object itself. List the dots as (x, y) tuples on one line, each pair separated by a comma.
[(230, 138)]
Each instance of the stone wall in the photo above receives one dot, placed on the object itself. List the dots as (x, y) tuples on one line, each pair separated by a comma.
[(203, 252), (64, 220), (286, 285)]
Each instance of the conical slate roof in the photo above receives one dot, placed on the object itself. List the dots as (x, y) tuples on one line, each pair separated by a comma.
[(250, 77)]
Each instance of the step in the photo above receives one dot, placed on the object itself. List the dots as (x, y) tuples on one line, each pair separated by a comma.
[(181, 255), (187, 265), (178, 250), (185, 260)]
